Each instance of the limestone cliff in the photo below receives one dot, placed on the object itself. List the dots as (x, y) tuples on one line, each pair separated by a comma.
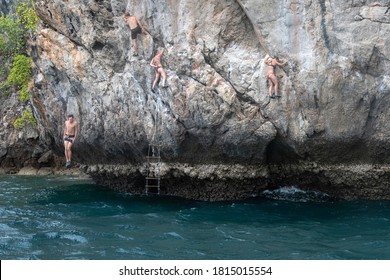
[(6, 6), (221, 135)]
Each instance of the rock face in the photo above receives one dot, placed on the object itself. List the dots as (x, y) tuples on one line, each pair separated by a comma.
[(17, 147), (6, 6), (221, 135)]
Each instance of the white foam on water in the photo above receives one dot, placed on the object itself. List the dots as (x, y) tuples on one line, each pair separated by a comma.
[(152, 215), (8, 229), (174, 234), (293, 193), (75, 238), (122, 251)]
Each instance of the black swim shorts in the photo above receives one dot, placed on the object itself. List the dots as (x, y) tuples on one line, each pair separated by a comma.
[(135, 32), (69, 138)]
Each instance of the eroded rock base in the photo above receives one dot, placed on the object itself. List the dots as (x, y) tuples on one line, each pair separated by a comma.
[(229, 183)]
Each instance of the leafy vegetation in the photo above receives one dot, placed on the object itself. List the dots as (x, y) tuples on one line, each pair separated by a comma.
[(12, 40), (15, 65), (27, 15), (26, 118), (19, 77), (20, 72)]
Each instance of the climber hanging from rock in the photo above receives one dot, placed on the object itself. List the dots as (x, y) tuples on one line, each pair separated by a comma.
[(271, 77), (135, 28), (159, 70)]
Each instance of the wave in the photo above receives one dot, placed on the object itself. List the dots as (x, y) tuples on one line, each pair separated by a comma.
[(294, 194)]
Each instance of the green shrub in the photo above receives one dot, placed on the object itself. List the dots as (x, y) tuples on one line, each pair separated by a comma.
[(26, 118), (24, 94), (19, 77), (13, 33), (20, 72), (27, 15), (11, 38)]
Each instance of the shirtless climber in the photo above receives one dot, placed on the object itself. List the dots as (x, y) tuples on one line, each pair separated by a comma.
[(135, 28), (156, 63), (70, 133), (273, 82)]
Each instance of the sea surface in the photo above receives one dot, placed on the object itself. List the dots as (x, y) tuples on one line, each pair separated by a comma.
[(69, 218)]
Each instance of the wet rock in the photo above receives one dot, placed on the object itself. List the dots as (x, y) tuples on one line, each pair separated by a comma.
[(45, 171), (28, 171)]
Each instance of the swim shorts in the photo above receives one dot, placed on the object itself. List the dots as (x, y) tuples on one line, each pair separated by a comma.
[(135, 32), (69, 138)]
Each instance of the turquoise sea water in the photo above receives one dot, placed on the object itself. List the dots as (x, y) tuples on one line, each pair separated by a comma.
[(68, 218)]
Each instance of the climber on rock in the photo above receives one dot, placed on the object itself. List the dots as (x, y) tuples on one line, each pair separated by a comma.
[(135, 28), (70, 133), (159, 70), (271, 77)]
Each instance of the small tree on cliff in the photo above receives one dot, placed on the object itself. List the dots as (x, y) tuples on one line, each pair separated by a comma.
[(27, 15), (15, 66), (12, 42)]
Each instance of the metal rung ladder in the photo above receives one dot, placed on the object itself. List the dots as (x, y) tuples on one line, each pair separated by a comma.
[(153, 164)]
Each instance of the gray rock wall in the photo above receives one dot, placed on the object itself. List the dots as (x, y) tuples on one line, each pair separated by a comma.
[(335, 89), (6, 6)]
